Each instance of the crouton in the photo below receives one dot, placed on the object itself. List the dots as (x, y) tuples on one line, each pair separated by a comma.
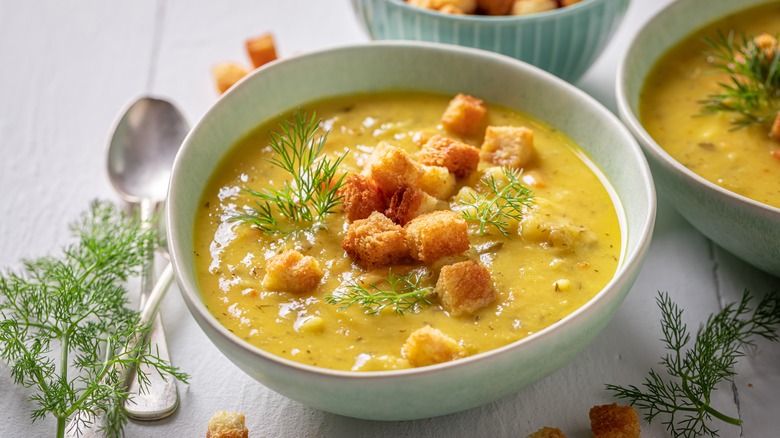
[(464, 6), (408, 203), (436, 181), (435, 235), (227, 74), (524, 7), (291, 271), (614, 421), (459, 158), (508, 146), (261, 50), (465, 287), (495, 7), (227, 425), (774, 133), (451, 9), (375, 242), (425, 4), (429, 346), (464, 115), (392, 168), (361, 196), (565, 3), (547, 432)]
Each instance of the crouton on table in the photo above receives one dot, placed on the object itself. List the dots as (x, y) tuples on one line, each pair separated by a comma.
[(614, 421), (464, 115), (428, 346), (227, 425), (291, 271), (465, 287), (437, 234), (459, 158), (408, 203), (375, 242), (261, 50), (547, 432), (508, 146), (227, 74), (361, 196)]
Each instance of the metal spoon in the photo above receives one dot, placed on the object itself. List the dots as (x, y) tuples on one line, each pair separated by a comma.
[(140, 158)]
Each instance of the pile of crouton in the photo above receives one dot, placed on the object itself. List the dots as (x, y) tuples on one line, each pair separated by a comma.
[(606, 421), (492, 7)]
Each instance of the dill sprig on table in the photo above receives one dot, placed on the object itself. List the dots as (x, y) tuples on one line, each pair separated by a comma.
[(65, 328), (312, 191), (401, 292), (500, 203), (683, 400), (752, 90)]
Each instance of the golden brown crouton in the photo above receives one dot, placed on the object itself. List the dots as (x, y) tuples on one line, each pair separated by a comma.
[(614, 421), (429, 346), (436, 234), (451, 9), (261, 50), (227, 425), (459, 158), (523, 7), (361, 197), (375, 241), (495, 7), (408, 203), (465, 287), (464, 115), (465, 6), (392, 168), (291, 271), (227, 74), (436, 181), (508, 146), (774, 133), (565, 3), (547, 432)]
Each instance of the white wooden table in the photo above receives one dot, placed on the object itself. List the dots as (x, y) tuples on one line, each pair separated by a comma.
[(66, 69)]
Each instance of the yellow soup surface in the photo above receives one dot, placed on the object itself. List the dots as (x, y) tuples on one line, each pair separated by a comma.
[(565, 249), (745, 161)]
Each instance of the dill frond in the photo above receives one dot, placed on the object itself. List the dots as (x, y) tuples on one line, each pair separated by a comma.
[(311, 193), (401, 292), (499, 204), (683, 399)]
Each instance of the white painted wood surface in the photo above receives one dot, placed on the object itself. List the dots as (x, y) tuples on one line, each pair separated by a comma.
[(66, 69)]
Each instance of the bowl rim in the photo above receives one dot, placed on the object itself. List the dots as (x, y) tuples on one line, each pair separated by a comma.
[(649, 144), (473, 18), (631, 260)]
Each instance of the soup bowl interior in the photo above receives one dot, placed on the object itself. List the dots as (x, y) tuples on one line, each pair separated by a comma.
[(564, 41), (746, 228), (453, 386)]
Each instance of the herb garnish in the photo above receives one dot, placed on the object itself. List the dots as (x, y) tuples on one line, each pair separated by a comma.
[(76, 304), (313, 191), (500, 204), (752, 91), (402, 292), (685, 398)]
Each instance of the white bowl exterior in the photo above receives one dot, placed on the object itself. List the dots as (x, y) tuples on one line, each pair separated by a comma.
[(444, 388), (565, 41), (744, 227)]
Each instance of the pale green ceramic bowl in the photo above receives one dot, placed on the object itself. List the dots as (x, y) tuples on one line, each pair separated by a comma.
[(564, 42), (747, 228), (443, 388)]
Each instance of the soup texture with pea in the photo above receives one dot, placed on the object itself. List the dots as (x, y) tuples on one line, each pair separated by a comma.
[(743, 160), (316, 292)]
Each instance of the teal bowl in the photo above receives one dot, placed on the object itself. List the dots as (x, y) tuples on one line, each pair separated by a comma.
[(564, 42), (448, 387), (747, 228)]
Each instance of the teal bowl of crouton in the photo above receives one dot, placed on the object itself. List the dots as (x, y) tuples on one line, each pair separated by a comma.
[(564, 41), (462, 381)]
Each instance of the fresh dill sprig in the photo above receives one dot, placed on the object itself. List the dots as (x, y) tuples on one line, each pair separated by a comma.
[(752, 91), (312, 191), (684, 399), (500, 203), (401, 292), (65, 328)]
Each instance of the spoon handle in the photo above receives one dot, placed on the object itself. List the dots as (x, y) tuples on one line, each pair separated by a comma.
[(159, 398)]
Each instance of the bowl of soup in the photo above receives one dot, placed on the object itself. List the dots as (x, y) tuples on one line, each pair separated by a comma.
[(712, 153), (367, 234), (562, 37)]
